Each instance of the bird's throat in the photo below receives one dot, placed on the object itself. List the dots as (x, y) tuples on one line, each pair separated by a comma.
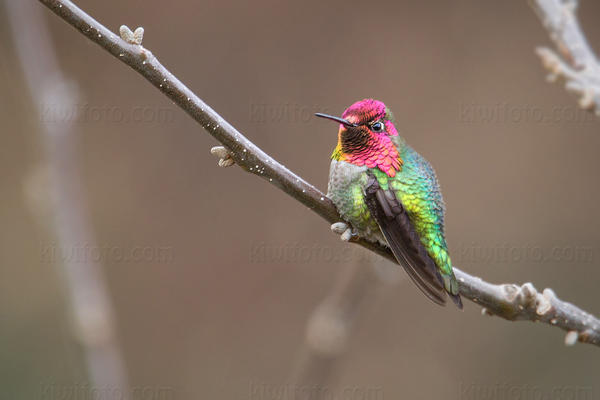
[(370, 151)]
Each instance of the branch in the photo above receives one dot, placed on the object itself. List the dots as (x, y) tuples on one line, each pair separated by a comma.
[(58, 200), (578, 65), (507, 301), (332, 323), (329, 327)]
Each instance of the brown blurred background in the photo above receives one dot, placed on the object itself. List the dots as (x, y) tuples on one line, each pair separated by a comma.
[(217, 307)]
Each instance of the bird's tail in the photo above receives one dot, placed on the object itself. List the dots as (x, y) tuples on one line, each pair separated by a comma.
[(456, 299), (451, 286)]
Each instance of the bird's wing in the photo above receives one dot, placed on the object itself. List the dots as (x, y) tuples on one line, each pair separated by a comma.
[(404, 240)]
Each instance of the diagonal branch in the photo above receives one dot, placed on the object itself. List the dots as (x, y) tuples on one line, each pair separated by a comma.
[(578, 66), (508, 301)]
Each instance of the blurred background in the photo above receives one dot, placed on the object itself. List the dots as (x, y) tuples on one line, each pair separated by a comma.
[(214, 275)]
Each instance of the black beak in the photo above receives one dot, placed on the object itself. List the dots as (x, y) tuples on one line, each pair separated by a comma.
[(342, 121)]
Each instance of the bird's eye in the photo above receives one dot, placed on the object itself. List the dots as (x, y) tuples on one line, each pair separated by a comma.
[(377, 127)]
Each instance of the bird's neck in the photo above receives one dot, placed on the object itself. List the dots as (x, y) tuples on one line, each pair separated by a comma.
[(380, 152)]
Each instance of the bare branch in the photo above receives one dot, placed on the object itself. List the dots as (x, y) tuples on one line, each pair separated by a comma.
[(66, 216), (330, 326), (507, 301), (578, 65)]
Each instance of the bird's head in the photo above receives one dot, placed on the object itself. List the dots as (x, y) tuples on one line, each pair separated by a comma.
[(364, 136)]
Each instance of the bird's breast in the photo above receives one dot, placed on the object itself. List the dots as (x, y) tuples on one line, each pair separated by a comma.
[(346, 189), (343, 178)]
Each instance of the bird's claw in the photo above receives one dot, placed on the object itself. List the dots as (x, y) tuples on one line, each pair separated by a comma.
[(345, 231), (225, 159), (339, 227)]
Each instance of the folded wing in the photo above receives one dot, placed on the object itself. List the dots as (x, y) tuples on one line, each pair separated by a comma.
[(404, 240)]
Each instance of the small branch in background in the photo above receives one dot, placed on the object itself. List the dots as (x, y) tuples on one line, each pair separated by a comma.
[(576, 62), (497, 299), (331, 324), (327, 332), (59, 200)]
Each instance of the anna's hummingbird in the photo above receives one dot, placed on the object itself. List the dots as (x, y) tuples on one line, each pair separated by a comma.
[(388, 193)]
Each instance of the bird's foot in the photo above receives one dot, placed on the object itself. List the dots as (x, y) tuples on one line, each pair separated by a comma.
[(225, 159), (345, 231)]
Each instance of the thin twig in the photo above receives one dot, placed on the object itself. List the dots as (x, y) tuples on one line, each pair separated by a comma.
[(507, 301), (578, 66), (330, 326), (89, 303)]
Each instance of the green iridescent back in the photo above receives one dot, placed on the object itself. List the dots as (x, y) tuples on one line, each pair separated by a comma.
[(417, 188)]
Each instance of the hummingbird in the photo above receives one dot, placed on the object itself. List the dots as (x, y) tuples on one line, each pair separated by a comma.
[(388, 193)]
